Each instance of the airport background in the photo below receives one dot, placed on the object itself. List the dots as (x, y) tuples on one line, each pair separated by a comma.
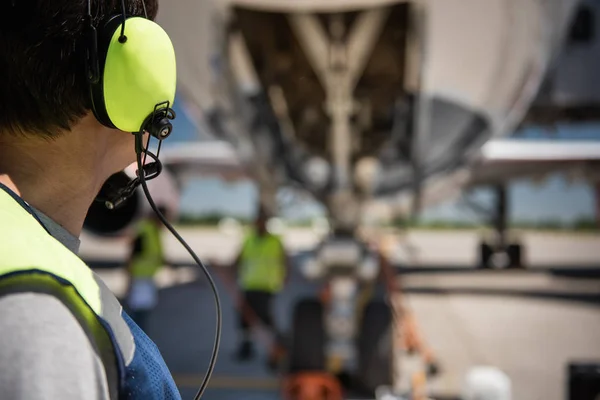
[(468, 318), (528, 322), (555, 202)]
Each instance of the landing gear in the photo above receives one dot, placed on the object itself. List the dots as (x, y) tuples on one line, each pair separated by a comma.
[(308, 376), (351, 337), (485, 255), (308, 342), (375, 347), (499, 254), (504, 257), (514, 256)]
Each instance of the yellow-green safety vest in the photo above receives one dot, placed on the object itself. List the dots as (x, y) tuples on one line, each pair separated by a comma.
[(31, 260), (262, 263), (150, 260)]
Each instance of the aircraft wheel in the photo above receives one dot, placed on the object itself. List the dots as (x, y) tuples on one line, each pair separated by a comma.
[(308, 341), (583, 381), (375, 347), (485, 255), (515, 256)]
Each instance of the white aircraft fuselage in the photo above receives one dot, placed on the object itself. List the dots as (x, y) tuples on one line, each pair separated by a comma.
[(352, 100)]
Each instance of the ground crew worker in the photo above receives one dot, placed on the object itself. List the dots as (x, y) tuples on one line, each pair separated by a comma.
[(63, 334), (262, 269), (146, 260)]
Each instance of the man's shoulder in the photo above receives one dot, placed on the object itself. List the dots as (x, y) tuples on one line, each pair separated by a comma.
[(39, 330), (277, 241), (248, 236), (30, 309)]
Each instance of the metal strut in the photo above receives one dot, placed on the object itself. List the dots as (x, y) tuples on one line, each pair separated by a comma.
[(339, 60)]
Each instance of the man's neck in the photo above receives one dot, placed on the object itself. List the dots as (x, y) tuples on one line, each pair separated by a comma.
[(59, 177)]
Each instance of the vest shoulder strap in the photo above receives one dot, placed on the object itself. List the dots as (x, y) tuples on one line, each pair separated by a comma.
[(33, 261)]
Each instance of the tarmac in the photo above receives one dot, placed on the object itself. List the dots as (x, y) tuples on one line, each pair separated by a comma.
[(414, 248), (528, 323)]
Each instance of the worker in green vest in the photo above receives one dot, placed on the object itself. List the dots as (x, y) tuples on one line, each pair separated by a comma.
[(262, 270), (145, 261)]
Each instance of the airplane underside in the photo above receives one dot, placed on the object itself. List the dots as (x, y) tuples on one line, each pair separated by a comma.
[(336, 107)]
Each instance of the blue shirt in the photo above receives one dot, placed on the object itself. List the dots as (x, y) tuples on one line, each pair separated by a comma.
[(147, 377)]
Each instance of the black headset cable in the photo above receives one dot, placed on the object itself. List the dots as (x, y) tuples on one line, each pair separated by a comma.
[(213, 359)]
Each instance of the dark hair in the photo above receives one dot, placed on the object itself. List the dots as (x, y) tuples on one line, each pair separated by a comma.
[(42, 50)]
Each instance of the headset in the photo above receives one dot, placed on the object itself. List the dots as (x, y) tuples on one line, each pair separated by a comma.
[(131, 70)]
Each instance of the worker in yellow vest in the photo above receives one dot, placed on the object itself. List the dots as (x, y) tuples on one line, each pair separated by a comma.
[(262, 270), (63, 333), (145, 261)]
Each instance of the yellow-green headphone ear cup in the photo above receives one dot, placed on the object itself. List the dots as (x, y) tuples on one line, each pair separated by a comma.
[(138, 73)]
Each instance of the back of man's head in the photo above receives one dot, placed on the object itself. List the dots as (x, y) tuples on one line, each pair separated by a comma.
[(43, 44)]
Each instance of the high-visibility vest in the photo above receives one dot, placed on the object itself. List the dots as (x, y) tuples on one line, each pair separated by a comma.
[(31, 260), (147, 263), (262, 263)]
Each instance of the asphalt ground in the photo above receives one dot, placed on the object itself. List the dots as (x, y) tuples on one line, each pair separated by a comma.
[(529, 323)]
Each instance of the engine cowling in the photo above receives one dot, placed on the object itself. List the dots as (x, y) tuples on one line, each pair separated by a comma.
[(101, 221)]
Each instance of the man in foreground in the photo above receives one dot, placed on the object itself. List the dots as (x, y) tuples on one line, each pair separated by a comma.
[(62, 333)]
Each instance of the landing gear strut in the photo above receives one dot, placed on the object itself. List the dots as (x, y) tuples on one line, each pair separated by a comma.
[(499, 253)]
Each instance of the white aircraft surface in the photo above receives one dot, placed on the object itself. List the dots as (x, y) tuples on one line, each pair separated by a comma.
[(352, 100), (359, 100)]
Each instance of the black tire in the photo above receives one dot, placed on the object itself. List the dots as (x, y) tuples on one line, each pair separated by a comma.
[(583, 381), (515, 256), (375, 347), (485, 255), (308, 340)]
